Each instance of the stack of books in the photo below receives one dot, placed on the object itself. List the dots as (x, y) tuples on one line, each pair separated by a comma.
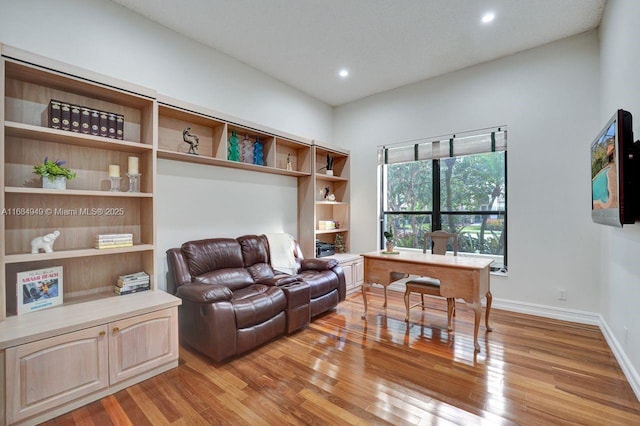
[(106, 241), (133, 283), (326, 225), (82, 119)]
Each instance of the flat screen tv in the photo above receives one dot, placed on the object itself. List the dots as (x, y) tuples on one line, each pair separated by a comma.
[(614, 197)]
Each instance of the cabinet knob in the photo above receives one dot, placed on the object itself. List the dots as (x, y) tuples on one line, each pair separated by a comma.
[(102, 333), (116, 329)]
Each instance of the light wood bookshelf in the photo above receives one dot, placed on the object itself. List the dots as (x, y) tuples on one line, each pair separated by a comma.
[(313, 207), (87, 208), (214, 132)]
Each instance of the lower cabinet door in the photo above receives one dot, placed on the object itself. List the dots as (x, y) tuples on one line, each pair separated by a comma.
[(51, 372), (348, 276), (140, 344), (358, 273)]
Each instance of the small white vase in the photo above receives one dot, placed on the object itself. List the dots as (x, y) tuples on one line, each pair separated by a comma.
[(58, 182), (329, 173)]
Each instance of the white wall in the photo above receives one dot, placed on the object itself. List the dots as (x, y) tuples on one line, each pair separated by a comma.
[(548, 98), (192, 201), (620, 88)]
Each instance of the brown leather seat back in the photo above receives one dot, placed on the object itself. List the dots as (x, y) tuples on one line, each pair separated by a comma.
[(255, 254), (204, 256)]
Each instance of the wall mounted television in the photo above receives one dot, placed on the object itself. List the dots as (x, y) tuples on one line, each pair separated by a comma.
[(614, 173)]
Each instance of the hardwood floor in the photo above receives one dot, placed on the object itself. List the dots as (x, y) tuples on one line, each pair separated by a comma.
[(343, 370)]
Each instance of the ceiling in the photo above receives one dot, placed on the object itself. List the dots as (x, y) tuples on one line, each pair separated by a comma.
[(383, 43)]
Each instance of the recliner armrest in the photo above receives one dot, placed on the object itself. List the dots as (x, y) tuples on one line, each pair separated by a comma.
[(204, 293), (317, 264), (178, 270)]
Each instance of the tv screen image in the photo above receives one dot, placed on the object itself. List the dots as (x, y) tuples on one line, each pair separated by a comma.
[(604, 170), (614, 174)]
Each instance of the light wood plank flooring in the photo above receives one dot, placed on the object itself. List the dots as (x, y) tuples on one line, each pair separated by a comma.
[(343, 370)]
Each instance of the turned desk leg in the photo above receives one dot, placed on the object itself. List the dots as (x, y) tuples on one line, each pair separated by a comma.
[(364, 298), (477, 308), (385, 296), (451, 306), (486, 318)]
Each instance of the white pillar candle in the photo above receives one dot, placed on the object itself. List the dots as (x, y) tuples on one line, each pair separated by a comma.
[(114, 170), (133, 165)]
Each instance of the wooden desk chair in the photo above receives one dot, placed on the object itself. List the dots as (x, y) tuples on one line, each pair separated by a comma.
[(428, 285)]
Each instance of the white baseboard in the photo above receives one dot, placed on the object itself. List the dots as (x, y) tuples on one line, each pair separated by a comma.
[(580, 317), (545, 311), (627, 368)]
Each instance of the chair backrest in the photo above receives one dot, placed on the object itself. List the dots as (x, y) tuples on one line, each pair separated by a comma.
[(439, 240)]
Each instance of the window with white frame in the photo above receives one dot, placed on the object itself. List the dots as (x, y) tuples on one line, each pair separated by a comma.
[(457, 184)]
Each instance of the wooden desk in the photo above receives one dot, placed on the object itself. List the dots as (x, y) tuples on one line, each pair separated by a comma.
[(460, 277)]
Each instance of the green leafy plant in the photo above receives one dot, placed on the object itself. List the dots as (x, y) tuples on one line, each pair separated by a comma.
[(53, 169), (389, 234)]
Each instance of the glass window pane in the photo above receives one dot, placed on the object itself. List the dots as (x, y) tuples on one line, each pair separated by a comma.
[(409, 186), (481, 234), (408, 229), (473, 182)]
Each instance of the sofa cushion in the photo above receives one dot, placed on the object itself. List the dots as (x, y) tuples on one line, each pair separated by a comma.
[(320, 282), (254, 250), (209, 255), (260, 272), (256, 304), (233, 278)]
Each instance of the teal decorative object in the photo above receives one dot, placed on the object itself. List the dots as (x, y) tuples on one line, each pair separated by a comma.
[(258, 156), (234, 151)]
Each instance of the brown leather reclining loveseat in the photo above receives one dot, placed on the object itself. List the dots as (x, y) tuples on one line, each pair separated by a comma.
[(233, 300)]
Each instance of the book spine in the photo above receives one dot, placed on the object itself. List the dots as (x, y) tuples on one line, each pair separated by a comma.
[(133, 284), (75, 118), (122, 293), (85, 120), (108, 246), (114, 236), (54, 114), (119, 126), (95, 123), (114, 240), (104, 124), (65, 116), (133, 276), (111, 125)]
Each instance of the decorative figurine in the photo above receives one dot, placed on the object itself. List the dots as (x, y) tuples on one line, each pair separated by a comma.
[(257, 153), (192, 140), (234, 150), (44, 242), (329, 165), (328, 196), (289, 166)]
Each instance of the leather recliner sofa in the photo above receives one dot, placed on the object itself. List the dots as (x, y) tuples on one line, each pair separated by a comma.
[(233, 300)]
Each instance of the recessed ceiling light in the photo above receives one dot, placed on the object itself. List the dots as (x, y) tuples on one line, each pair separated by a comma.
[(488, 17), (344, 73)]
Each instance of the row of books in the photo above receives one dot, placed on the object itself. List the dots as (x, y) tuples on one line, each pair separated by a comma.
[(132, 283), (81, 119), (107, 241)]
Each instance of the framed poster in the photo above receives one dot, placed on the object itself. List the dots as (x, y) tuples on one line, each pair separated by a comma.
[(39, 289)]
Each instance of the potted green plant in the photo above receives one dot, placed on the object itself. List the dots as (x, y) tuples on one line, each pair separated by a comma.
[(54, 175), (389, 236)]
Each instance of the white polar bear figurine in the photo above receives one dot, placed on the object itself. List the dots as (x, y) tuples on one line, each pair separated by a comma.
[(44, 242)]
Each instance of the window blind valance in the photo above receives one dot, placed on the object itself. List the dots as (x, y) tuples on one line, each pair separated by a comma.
[(455, 146)]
